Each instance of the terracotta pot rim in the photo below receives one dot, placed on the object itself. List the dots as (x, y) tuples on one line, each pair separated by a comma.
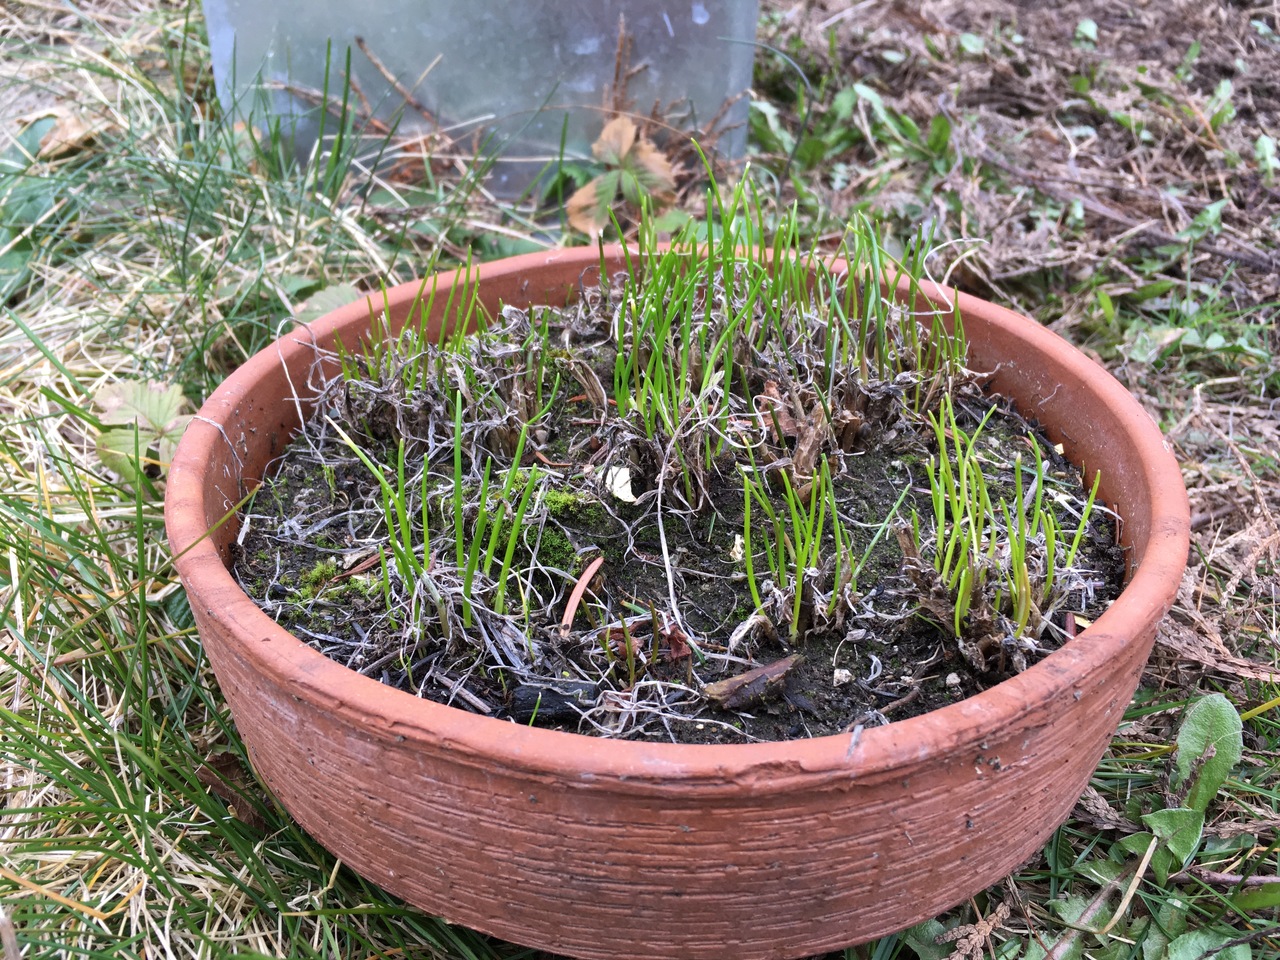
[(881, 750)]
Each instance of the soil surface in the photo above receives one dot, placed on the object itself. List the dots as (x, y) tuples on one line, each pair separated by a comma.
[(677, 636)]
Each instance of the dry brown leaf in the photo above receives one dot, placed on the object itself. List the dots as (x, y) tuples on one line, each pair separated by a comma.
[(615, 141), (809, 443), (653, 168), (1093, 808), (677, 643), (69, 133), (1193, 645), (776, 413), (228, 779), (583, 209)]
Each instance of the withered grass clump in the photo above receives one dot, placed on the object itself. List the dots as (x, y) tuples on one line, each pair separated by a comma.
[(669, 508)]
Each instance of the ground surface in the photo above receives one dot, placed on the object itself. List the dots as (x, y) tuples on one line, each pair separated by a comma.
[(1108, 168)]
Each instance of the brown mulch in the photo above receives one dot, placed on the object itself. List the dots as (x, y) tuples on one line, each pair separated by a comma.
[(1048, 176)]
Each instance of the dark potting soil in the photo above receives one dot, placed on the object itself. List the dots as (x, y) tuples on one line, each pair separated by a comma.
[(669, 642)]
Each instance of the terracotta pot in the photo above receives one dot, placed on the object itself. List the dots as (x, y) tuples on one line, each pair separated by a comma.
[(597, 848)]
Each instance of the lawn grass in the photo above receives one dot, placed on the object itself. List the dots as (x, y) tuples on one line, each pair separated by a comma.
[(1088, 149)]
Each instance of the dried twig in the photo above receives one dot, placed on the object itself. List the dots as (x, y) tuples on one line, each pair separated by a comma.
[(396, 85), (754, 686)]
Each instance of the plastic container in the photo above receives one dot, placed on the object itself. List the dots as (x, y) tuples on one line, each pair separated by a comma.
[(525, 82)]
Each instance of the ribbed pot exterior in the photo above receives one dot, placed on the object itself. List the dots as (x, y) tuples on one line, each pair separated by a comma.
[(604, 849)]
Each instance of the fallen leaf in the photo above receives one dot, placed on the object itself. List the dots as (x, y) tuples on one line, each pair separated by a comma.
[(227, 778), (677, 642), (139, 415), (69, 133)]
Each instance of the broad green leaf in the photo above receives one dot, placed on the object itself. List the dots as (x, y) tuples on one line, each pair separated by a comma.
[(923, 939), (1115, 949), (1102, 871), (1070, 911), (118, 449), (26, 201), (1171, 921), (1149, 291), (152, 406), (1211, 730), (294, 284), (875, 101), (1154, 941), (768, 130), (939, 134), (25, 146), (1264, 151), (842, 103), (1208, 222), (1135, 843), (907, 128), (143, 418), (1221, 109), (13, 262), (326, 301), (1178, 828), (499, 245), (811, 152), (1258, 898), (1194, 945), (629, 184), (670, 221), (1172, 915)]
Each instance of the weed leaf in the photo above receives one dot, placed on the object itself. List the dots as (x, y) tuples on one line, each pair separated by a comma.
[(1199, 943), (1210, 736), (1264, 897), (140, 415), (584, 209), (615, 141), (118, 449), (68, 134), (652, 168), (923, 939), (150, 405), (326, 301), (1179, 828)]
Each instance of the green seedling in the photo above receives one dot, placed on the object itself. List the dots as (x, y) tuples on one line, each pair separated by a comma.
[(983, 554)]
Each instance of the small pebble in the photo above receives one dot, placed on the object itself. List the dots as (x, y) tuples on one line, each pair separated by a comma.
[(841, 677), (953, 679)]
